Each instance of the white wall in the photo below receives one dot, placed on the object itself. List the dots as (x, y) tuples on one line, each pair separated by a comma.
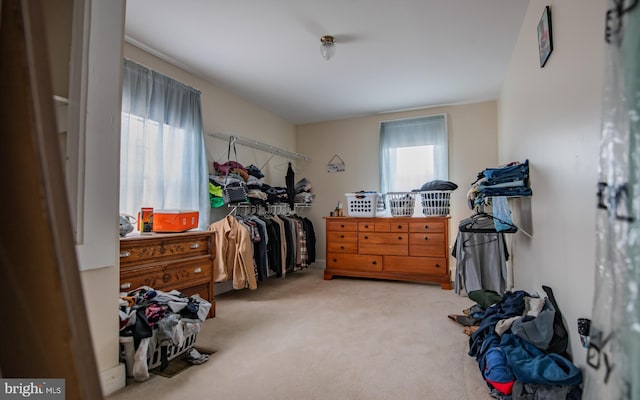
[(551, 116), (472, 147), (98, 250)]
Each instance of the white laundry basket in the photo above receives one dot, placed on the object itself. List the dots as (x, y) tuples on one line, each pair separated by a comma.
[(362, 204), (435, 202), (153, 357), (401, 204)]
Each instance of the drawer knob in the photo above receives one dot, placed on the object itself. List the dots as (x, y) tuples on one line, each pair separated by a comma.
[(335, 260), (399, 237), (124, 254), (341, 247), (341, 226), (426, 238), (166, 278), (366, 237), (341, 236), (426, 227), (399, 226), (366, 226), (125, 286), (437, 265), (374, 262), (194, 245), (197, 270)]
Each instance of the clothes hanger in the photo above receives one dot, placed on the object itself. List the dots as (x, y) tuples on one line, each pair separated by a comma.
[(486, 240), (483, 222), (233, 211)]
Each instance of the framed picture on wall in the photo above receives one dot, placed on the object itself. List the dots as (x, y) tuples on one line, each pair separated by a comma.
[(545, 42)]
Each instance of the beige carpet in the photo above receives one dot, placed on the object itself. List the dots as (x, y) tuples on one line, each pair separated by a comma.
[(306, 338)]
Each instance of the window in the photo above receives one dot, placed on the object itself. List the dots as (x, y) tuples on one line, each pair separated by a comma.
[(162, 156), (413, 152)]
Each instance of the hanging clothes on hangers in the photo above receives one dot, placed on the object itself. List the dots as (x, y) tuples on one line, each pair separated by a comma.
[(260, 241), (274, 245), (291, 186), (253, 246), (302, 254), (290, 240), (481, 255), (483, 222)]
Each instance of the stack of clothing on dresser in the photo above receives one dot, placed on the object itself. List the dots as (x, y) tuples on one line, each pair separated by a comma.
[(157, 320), (520, 343)]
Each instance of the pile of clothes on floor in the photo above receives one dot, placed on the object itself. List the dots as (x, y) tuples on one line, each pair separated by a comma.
[(520, 343), (233, 173), (159, 320)]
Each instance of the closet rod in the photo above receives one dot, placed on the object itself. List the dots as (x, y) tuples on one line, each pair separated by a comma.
[(261, 146)]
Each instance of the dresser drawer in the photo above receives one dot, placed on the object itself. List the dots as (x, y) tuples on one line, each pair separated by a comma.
[(430, 226), (427, 239), (383, 238), (342, 237), (351, 226), (436, 239), (383, 243), (416, 265), (390, 249), (367, 226), (392, 226), (145, 250), (168, 276), (427, 251), (201, 290), (427, 244), (354, 262), (342, 247)]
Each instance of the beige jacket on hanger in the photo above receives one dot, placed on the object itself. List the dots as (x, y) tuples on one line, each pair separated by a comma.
[(234, 254)]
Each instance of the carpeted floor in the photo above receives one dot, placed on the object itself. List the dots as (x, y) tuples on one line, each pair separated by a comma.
[(306, 338)]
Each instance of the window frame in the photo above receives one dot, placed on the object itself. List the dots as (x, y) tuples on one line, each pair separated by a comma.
[(441, 157)]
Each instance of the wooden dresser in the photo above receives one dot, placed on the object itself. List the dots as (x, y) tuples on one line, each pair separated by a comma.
[(167, 261), (399, 248)]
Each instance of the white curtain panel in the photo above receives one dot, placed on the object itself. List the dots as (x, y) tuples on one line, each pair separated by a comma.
[(163, 161), (428, 160)]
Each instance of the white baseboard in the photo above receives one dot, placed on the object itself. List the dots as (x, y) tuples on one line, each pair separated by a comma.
[(113, 379)]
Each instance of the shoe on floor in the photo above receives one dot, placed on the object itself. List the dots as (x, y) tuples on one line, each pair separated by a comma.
[(195, 357)]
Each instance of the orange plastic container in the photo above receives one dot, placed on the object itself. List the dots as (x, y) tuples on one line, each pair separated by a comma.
[(174, 220)]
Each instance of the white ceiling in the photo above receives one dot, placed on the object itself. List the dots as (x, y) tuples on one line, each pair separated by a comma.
[(390, 55)]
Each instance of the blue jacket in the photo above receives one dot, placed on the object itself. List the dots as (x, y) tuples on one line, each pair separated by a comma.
[(530, 365)]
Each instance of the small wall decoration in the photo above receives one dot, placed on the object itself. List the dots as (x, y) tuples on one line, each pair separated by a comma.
[(336, 164), (545, 42)]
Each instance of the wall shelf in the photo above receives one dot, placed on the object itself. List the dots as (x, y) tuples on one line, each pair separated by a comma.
[(254, 144)]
